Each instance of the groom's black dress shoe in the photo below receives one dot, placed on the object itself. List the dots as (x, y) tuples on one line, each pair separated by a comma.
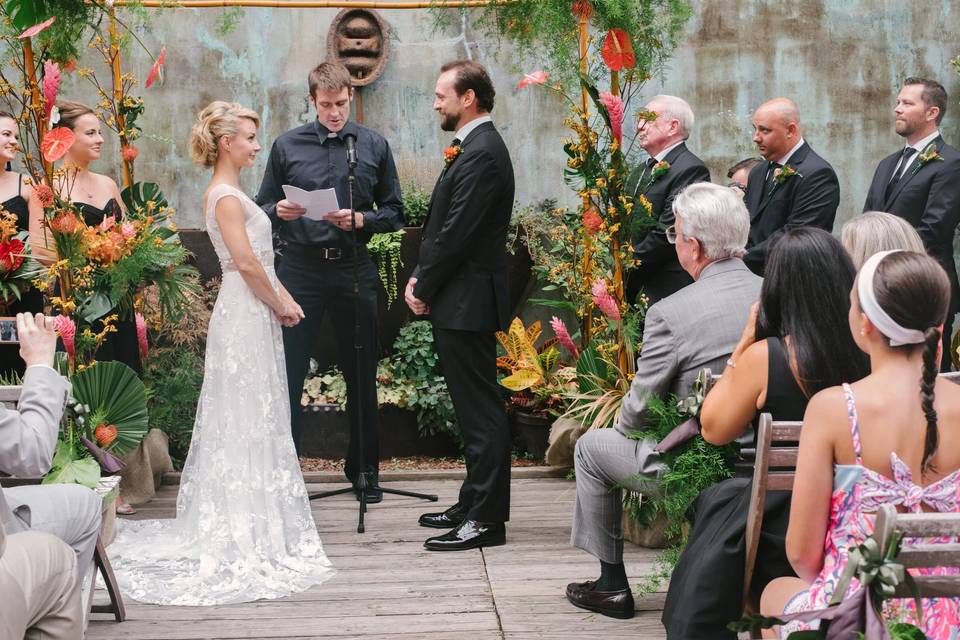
[(615, 604), (469, 535), (449, 519)]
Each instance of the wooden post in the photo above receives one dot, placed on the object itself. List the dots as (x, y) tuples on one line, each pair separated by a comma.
[(587, 262), (358, 105), (36, 106), (126, 167)]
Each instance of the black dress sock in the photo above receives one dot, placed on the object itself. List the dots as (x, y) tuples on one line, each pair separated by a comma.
[(613, 577)]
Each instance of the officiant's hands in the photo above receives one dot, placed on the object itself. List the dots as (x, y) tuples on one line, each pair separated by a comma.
[(288, 210), (341, 219), (418, 306)]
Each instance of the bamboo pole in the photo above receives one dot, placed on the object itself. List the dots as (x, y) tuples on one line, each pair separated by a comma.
[(125, 166), (36, 108), (307, 4), (587, 264)]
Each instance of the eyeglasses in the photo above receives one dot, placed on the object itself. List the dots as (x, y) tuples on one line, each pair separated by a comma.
[(671, 233), (737, 185)]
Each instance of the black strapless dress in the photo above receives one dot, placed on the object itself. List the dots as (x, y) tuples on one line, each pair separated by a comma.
[(121, 345), (31, 300)]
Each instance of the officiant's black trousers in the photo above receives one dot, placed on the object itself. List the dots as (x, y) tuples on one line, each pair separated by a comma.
[(321, 286), (469, 363)]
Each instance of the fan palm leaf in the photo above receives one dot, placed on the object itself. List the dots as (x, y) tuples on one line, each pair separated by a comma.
[(113, 390)]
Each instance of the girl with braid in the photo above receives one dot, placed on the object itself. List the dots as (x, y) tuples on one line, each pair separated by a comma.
[(890, 438)]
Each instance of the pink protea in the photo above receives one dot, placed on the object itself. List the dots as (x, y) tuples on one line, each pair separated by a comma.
[(614, 106), (605, 301), (142, 335), (560, 330), (67, 330)]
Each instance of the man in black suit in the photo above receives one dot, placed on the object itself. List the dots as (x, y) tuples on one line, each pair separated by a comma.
[(919, 183), (659, 274), (461, 282), (795, 187)]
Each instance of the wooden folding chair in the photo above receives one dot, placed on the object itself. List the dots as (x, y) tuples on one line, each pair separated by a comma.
[(923, 555)]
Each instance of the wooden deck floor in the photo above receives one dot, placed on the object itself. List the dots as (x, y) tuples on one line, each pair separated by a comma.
[(388, 586)]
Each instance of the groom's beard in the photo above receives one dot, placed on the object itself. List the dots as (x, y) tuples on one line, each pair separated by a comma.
[(449, 122)]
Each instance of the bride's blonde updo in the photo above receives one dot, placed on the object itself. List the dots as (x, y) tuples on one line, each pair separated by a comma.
[(218, 119)]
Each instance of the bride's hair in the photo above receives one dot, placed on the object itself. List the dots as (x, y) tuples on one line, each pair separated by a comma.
[(218, 119), (70, 111)]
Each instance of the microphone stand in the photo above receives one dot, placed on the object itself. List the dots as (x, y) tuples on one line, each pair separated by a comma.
[(365, 480)]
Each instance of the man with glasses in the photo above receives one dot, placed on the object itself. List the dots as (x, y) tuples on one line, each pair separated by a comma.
[(695, 327), (662, 131)]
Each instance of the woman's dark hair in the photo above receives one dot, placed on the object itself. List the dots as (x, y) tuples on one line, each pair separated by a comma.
[(915, 292), (806, 295), (70, 111)]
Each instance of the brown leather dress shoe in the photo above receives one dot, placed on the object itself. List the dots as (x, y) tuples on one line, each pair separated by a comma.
[(449, 519), (615, 604)]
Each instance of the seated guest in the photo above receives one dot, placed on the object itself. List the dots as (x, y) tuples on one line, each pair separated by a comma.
[(739, 173), (881, 440), (28, 437), (789, 350), (876, 231), (39, 588), (695, 327)]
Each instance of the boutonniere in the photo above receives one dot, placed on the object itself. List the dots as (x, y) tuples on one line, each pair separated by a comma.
[(451, 153), (782, 174), (659, 169), (929, 155)]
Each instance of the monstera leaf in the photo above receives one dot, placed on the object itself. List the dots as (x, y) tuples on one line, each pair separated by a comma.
[(117, 397), (136, 196)]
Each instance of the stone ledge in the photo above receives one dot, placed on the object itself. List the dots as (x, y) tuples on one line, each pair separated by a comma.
[(333, 477)]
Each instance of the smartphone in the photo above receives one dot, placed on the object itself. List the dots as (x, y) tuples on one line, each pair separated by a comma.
[(8, 330)]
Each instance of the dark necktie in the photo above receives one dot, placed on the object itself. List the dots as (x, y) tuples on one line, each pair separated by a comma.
[(771, 175), (905, 157)]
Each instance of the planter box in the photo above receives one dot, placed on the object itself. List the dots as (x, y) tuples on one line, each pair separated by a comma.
[(652, 537), (326, 434)]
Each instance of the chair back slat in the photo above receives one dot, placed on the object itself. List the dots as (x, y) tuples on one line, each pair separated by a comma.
[(952, 376), (931, 587), (929, 555), (928, 525), (923, 555)]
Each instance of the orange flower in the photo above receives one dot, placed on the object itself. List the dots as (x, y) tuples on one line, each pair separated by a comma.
[(105, 434), (56, 143), (70, 65), (617, 51), (44, 195), (592, 221), (105, 248), (129, 153), (451, 153), (65, 222)]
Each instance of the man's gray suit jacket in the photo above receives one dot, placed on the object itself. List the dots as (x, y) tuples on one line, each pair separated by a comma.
[(696, 327)]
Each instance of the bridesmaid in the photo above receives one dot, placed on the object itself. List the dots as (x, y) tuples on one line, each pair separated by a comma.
[(96, 196), (16, 197)]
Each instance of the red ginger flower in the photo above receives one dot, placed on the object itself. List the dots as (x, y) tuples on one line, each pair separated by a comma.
[(51, 83), (614, 106), (560, 330), (11, 255), (142, 335), (67, 331), (605, 301)]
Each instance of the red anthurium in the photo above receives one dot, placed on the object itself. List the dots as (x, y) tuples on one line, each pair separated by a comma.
[(155, 69), (617, 50), (537, 77), (37, 28), (51, 84), (11, 255), (56, 143)]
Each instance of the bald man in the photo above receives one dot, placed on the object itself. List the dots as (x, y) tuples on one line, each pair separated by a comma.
[(795, 187)]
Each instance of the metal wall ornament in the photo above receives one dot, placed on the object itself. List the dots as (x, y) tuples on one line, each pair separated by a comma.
[(359, 40)]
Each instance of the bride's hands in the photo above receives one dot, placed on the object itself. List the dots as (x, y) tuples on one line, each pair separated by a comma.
[(290, 312)]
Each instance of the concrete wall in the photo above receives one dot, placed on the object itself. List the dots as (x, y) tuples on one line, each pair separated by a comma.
[(842, 61)]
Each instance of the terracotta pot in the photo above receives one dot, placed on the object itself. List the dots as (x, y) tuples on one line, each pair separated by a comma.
[(533, 432)]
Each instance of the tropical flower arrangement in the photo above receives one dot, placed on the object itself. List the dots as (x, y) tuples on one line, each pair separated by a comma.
[(17, 266)]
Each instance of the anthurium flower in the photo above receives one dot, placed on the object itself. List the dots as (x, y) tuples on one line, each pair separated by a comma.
[(614, 106), (537, 77), (11, 255), (617, 51), (56, 143), (37, 28), (155, 69), (51, 84)]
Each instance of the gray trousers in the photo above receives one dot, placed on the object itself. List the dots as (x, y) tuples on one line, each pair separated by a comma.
[(606, 461), (39, 589)]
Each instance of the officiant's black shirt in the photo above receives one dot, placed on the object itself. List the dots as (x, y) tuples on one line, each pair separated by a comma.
[(309, 158)]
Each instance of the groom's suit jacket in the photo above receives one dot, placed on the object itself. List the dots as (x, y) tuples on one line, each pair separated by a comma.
[(28, 436), (928, 197), (462, 270)]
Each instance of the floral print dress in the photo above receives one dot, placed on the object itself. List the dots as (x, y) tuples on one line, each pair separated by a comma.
[(858, 493)]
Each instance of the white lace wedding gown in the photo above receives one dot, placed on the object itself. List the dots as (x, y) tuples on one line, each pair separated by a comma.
[(243, 529)]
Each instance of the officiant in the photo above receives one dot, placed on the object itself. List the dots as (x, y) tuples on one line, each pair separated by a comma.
[(316, 264)]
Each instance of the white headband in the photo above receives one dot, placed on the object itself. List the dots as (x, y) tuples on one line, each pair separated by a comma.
[(889, 327)]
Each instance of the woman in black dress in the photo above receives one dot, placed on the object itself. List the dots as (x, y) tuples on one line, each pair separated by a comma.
[(795, 344), (97, 197), (16, 197)]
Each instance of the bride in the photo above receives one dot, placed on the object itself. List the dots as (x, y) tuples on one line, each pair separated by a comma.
[(243, 529)]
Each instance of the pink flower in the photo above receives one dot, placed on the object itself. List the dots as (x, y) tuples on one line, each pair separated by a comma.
[(614, 106), (560, 330), (67, 330), (155, 69), (142, 335), (51, 83), (128, 230), (37, 28), (107, 223), (537, 77), (604, 301)]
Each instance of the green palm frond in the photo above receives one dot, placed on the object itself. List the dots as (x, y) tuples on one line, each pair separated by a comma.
[(113, 390)]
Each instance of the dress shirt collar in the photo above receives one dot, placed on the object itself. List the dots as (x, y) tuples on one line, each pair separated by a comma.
[(785, 159), (923, 144), (663, 154), (324, 134), (465, 130)]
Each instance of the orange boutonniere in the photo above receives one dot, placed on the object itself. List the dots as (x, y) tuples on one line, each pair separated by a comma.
[(451, 153)]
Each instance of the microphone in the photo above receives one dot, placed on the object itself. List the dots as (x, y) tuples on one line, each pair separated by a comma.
[(351, 141)]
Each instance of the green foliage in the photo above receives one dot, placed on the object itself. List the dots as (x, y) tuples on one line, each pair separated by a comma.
[(385, 250), (174, 376), (228, 20), (415, 356), (416, 202), (63, 38), (72, 467), (115, 396)]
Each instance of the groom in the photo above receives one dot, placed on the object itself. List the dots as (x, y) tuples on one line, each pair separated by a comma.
[(461, 282)]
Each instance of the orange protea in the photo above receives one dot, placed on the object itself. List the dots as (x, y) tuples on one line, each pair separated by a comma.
[(129, 153), (65, 221), (105, 434), (592, 221), (105, 248), (582, 9), (70, 65), (44, 195)]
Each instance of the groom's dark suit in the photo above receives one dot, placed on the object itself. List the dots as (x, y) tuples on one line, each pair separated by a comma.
[(927, 195), (462, 276)]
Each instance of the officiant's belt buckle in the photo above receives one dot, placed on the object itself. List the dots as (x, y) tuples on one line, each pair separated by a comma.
[(329, 253)]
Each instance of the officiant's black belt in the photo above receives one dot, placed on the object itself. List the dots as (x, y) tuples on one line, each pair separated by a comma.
[(314, 252)]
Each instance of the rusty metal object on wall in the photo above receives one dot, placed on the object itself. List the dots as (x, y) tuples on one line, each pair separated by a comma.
[(359, 40)]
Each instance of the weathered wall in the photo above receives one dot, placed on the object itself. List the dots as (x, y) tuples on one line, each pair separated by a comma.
[(842, 61)]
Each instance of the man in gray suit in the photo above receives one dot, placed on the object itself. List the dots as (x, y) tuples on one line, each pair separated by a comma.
[(28, 437), (695, 327)]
